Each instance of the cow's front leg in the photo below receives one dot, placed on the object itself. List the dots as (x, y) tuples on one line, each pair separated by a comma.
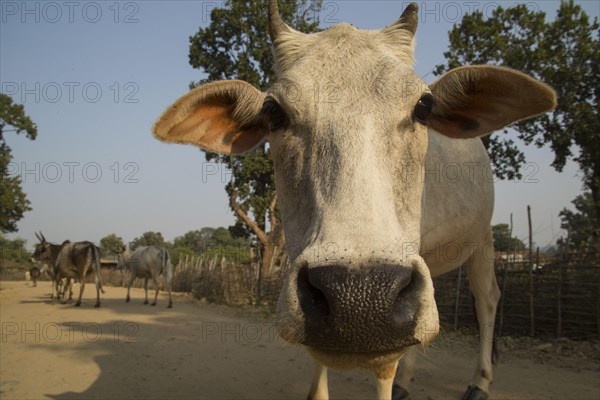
[(482, 282), (406, 368), (130, 280), (318, 388), (146, 290), (385, 380), (69, 283), (54, 295), (62, 290)]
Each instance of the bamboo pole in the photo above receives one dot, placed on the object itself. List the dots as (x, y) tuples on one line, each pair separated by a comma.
[(502, 297), (531, 303), (457, 300), (561, 267), (505, 264), (598, 308)]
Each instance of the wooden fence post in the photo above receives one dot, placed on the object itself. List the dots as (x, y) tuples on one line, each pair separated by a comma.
[(531, 303), (561, 266), (598, 308), (503, 296), (561, 271), (456, 304), (504, 278)]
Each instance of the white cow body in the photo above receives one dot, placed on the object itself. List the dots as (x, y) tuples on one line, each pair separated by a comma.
[(147, 262), (458, 201), (382, 183)]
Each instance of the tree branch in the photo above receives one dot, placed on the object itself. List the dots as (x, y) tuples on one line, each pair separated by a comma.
[(272, 217), (260, 234)]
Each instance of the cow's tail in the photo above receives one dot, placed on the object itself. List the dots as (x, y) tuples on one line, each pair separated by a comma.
[(96, 260), (167, 267)]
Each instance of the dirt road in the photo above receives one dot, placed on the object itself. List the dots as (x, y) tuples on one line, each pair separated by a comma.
[(204, 351)]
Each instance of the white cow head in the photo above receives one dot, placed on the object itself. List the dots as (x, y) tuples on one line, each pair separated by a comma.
[(345, 116)]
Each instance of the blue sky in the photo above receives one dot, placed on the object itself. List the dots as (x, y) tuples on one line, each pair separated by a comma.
[(95, 75)]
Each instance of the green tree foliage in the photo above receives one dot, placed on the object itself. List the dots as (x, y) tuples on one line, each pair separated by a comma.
[(198, 240), (582, 224), (178, 253), (503, 241), (111, 244), (13, 252), (149, 239), (14, 119), (236, 45), (564, 53), (213, 242), (13, 201)]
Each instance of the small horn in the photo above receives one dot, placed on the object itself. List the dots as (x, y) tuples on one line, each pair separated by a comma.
[(276, 23), (410, 18), (37, 235)]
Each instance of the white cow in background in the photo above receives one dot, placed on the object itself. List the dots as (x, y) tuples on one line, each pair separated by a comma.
[(147, 262)]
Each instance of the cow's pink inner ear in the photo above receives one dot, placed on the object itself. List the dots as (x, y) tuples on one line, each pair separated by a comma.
[(213, 128), (222, 117)]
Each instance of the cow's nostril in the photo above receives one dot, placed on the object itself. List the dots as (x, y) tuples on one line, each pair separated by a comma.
[(312, 300), (404, 309), (319, 300)]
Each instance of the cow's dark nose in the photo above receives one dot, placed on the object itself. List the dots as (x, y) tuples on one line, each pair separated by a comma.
[(358, 310)]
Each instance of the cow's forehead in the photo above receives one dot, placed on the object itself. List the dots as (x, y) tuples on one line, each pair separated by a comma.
[(343, 41), (344, 64)]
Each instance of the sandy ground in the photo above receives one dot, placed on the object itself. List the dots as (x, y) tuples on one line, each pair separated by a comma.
[(204, 351)]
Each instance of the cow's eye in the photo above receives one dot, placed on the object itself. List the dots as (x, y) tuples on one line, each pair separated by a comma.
[(274, 114), (423, 108)]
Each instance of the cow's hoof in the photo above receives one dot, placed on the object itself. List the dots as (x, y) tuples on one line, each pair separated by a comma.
[(399, 393), (475, 393), (97, 305), (127, 300), (77, 304), (153, 304), (170, 305), (146, 302)]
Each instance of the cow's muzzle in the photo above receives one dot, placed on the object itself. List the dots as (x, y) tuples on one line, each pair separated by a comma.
[(375, 309)]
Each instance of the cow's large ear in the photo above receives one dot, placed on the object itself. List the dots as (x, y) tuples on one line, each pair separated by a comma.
[(477, 100), (222, 117)]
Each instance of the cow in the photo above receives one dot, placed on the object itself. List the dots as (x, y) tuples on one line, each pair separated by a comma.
[(76, 261), (34, 275), (368, 213), (47, 253), (148, 262)]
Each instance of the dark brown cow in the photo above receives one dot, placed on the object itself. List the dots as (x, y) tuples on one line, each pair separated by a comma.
[(47, 253), (76, 261)]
